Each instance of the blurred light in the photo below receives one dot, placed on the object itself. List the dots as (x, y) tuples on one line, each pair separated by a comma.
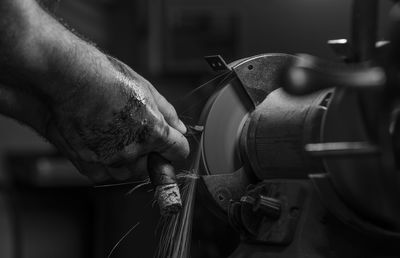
[(337, 41)]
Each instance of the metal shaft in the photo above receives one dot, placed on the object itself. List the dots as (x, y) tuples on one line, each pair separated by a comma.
[(364, 26)]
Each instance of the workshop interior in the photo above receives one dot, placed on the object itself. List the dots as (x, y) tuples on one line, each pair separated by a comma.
[(292, 108)]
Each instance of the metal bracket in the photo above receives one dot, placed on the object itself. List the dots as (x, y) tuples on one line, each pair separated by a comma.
[(217, 63), (221, 189), (260, 75), (276, 222)]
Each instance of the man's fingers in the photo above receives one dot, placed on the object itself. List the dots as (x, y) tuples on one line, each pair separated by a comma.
[(175, 146), (138, 168), (169, 113), (95, 171)]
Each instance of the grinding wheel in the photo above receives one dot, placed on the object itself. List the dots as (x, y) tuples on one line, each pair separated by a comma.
[(228, 109), (222, 129)]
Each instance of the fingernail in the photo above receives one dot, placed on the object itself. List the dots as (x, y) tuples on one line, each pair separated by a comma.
[(182, 127)]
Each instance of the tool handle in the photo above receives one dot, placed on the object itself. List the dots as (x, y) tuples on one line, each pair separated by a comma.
[(162, 176), (161, 171)]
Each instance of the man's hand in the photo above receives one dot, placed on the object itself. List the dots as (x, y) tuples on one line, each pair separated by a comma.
[(99, 112), (109, 133)]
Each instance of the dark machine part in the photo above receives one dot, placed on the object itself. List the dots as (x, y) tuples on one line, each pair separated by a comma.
[(245, 124), (255, 167), (300, 154), (277, 130), (362, 161), (237, 127)]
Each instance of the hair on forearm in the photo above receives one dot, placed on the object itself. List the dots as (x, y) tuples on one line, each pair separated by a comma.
[(126, 127)]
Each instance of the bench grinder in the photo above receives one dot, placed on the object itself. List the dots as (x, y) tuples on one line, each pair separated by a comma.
[(293, 173), (300, 154)]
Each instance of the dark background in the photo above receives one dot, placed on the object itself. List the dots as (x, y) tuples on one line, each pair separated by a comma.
[(165, 41)]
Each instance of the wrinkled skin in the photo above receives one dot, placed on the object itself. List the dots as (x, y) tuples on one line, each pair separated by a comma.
[(105, 117)]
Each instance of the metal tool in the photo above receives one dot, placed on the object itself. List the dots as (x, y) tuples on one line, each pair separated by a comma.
[(162, 176)]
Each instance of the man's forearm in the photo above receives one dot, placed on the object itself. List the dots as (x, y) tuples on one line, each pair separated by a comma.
[(39, 52), (95, 109)]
